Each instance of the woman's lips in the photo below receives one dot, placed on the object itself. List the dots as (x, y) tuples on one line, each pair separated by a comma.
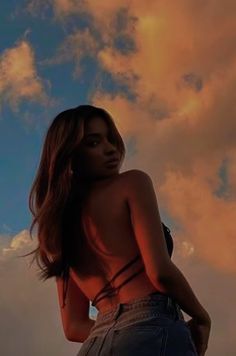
[(113, 163)]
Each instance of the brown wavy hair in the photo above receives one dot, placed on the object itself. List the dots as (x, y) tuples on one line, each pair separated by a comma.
[(55, 190)]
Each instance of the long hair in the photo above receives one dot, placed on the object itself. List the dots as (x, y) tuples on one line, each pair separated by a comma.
[(55, 190)]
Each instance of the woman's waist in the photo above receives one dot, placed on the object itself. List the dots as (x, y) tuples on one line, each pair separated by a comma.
[(137, 288)]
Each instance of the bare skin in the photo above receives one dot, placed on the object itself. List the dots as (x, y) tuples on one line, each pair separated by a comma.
[(106, 221), (107, 224)]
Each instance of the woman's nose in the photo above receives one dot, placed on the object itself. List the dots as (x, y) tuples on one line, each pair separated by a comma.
[(110, 147), (111, 151)]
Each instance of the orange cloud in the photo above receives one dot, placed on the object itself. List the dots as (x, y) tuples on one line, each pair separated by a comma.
[(18, 76), (183, 120), (183, 72)]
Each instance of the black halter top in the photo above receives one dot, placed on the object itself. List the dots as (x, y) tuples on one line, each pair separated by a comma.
[(109, 290)]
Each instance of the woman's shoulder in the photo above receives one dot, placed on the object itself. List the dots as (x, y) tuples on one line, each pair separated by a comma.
[(135, 174), (135, 177)]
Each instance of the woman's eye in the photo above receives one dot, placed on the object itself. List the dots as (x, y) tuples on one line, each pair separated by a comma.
[(91, 143)]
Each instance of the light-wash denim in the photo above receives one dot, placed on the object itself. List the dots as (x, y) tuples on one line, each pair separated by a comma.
[(152, 325)]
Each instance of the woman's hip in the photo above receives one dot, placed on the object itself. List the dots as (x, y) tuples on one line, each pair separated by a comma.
[(153, 310), (150, 325)]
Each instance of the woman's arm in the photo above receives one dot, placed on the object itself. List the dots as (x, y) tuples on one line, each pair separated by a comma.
[(80, 332), (149, 234), (175, 285), (75, 314)]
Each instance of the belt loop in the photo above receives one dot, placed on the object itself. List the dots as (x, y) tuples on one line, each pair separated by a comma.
[(179, 312), (117, 311), (169, 303), (171, 307)]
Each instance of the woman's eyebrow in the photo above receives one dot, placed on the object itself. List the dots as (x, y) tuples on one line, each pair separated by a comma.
[(93, 134)]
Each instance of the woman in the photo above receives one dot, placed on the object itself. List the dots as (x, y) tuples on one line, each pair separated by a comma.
[(101, 237)]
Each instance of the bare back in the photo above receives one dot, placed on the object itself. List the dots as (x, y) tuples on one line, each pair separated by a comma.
[(111, 242)]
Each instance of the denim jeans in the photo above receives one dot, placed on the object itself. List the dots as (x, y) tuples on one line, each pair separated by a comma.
[(148, 326)]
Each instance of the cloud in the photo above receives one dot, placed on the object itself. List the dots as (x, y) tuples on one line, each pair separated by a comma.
[(18, 76), (205, 216), (37, 8), (183, 117), (182, 71), (28, 306), (75, 47), (112, 29)]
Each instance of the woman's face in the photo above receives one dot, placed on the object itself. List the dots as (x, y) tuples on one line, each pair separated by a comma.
[(96, 148)]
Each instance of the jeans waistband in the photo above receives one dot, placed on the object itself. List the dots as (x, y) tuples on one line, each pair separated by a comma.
[(152, 305)]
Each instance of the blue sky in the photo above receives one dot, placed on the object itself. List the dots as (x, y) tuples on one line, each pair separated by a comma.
[(21, 140)]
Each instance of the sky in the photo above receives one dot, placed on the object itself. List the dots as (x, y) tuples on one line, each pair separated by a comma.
[(167, 74)]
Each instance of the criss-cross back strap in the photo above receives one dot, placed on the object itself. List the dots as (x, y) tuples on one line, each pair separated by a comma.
[(110, 289)]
